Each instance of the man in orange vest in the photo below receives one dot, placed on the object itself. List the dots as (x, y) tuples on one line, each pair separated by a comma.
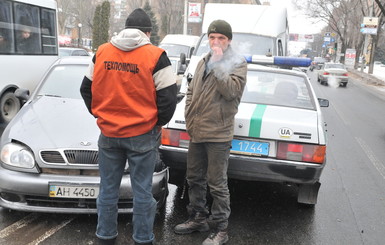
[(131, 90)]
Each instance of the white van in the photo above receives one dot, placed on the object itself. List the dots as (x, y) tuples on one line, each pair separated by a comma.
[(257, 30), (175, 44)]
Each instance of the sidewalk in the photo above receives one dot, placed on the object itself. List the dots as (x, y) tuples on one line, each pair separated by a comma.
[(376, 79)]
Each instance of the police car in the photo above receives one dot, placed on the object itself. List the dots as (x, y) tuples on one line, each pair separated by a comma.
[(279, 133)]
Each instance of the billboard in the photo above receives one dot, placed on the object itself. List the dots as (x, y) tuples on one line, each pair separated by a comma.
[(369, 25), (301, 38), (194, 13)]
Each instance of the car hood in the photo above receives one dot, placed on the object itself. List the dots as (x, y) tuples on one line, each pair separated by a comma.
[(52, 123), (267, 122)]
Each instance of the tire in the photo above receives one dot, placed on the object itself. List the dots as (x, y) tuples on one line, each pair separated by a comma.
[(9, 106)]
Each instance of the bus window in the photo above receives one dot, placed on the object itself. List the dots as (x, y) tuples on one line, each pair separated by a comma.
[(27, 22), (48, 31), (6, 37)]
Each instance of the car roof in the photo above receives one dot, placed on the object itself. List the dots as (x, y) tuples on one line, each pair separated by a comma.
[(73, 60), (68, 48)]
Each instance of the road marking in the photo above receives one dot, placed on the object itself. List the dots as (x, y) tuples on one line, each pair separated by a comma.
[(50, 232), (17, 225), (342, 116), (372, 157)]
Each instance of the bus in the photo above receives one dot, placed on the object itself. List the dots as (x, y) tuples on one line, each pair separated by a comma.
[(28, 46)]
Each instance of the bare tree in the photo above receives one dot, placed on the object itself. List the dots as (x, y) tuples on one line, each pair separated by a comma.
[(171, 13), (134, 4), (343, 17), (72, 12)]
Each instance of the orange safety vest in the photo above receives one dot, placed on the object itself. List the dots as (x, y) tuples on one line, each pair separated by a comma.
[(123, 90)]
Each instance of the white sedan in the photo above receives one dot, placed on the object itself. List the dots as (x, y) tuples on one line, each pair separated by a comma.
[(279, 133), (334, 74)]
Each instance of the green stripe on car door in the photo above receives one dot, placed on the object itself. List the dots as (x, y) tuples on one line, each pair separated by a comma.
[(256, 121)]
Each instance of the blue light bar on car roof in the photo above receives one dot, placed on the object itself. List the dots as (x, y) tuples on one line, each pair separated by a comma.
[(278, 60)]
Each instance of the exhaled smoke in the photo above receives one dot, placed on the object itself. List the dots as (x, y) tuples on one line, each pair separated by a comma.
[(223, 68)]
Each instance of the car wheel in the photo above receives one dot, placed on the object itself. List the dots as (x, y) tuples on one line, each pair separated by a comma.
[(9, 105)]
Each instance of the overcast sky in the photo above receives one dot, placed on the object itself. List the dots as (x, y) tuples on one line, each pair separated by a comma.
[(298, 22)]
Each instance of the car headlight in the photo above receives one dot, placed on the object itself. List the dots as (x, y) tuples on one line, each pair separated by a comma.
[(17, 156)]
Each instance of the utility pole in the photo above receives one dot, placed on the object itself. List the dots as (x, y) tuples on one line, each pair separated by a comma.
[(373, 46), (185, 17)]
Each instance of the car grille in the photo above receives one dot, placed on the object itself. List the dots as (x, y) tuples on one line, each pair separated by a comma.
[(82, 157), (40, 201)]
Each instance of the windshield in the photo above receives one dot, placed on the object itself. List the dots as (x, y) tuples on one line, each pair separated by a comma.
[(174, 49), (277, 89), (246, 44), (64, 81)]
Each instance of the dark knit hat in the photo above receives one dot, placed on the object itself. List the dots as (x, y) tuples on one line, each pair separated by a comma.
[(222, 27), (138, 19)]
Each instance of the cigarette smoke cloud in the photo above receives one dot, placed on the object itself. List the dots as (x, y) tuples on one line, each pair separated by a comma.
[(223, 68)]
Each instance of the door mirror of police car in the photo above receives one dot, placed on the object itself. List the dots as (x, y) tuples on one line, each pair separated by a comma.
[(22, 94), (323, 102)]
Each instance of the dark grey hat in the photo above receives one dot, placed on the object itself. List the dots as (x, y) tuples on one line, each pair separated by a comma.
[(222, 27), (138, 19)]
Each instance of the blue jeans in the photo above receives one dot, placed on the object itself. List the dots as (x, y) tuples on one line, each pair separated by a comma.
[(141, 154), (207, 164)]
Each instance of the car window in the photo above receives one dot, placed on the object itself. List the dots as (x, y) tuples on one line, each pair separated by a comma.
[(319, 60), (175, 50), (80, 53), (277, 89), (63, 81), (339, 66), (64, 52)]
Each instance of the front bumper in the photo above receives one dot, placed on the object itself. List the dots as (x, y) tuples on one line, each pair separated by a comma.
[(29, 192), (253, 168)]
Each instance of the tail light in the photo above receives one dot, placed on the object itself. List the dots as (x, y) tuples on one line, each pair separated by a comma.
[(301, 152), (175, 138), (345, 74), (326, 73)]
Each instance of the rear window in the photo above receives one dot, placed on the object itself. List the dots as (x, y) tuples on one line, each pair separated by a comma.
[(277, 89), (339, 66), (319, 60)]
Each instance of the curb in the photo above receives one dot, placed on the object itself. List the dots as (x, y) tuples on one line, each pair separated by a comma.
[(366, 78)]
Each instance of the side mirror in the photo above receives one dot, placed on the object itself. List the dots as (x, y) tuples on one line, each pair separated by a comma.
[(22, 94), (191, 52), (323, 102), (182, 58)]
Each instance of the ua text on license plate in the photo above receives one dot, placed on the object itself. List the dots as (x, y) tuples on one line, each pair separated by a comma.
[(250, 147), (73, 190)]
